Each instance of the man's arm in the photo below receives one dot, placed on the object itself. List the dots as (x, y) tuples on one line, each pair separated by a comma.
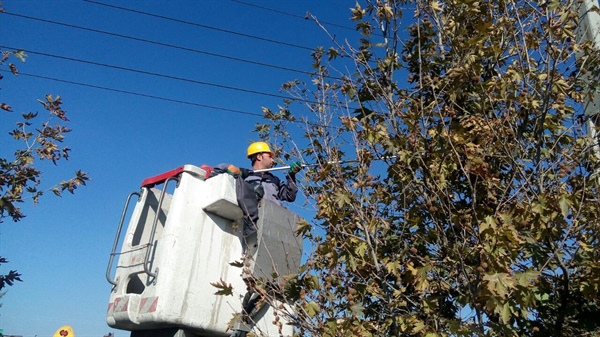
[(288, 189)]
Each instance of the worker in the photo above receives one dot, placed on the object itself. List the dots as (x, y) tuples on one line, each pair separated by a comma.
[(262, 158), (251, 187), (259, 185)]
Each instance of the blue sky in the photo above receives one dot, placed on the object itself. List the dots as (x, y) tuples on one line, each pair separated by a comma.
[(62, 246)]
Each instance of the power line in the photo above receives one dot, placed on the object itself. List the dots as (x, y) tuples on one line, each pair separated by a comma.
[(199, 25), (148, 72), (139, 94), (158, 43), (160, 98), (152, 73), (289, 14)]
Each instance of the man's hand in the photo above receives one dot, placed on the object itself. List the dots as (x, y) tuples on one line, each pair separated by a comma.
[(295, 168), (233, 170)]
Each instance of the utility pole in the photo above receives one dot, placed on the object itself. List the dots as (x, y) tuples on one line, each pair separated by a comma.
[(589, 30)]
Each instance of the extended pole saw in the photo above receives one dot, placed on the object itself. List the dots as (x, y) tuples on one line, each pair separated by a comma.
[(287, 167)]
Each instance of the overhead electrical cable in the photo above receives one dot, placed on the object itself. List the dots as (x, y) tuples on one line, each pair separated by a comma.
[(199, 25), (305, 17), (153, 74), (166, 99), (138, 94), (158, 43)]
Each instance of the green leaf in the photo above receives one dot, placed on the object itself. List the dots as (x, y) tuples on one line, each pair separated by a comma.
[(357, 309), (393, 267), (303, 227), (538, 208), (342, 199), (418, 327), (505, 314), (332, 325), (436, 6), (499, 284), (525, 278), (312, 308), (20, 54), (361, 249), (564, 204)]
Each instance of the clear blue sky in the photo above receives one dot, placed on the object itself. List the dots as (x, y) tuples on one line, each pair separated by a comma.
[(62, 246)]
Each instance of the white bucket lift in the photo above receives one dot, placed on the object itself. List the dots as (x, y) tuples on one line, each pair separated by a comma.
[(177, 244)]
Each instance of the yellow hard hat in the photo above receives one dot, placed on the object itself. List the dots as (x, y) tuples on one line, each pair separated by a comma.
[(258, 147), (64, 331)]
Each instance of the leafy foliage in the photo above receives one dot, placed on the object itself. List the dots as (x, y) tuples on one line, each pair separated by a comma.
[(10, 278), (224, 288), (472, 207), (20, 176)]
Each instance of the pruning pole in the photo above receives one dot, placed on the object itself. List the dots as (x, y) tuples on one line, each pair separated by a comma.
[(317, 164)]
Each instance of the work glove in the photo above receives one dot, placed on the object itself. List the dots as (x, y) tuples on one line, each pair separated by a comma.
[(295, 168), (233, 170)]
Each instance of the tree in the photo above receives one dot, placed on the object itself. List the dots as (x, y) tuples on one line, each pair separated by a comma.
[(20, 176), (472, 207)]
